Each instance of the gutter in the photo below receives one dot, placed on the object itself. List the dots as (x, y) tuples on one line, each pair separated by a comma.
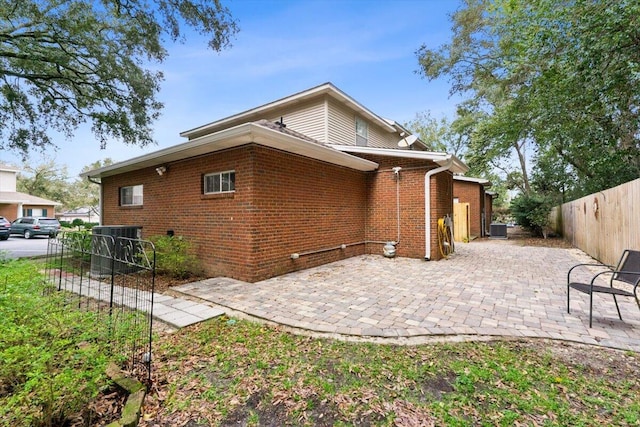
[(427, 205), (246, 133)]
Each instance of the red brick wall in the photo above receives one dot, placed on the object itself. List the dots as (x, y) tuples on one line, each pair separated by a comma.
[(382, 213), (218, 226), (283, 204), (472, 193), (302, 205), (9, 211), (382, 223)]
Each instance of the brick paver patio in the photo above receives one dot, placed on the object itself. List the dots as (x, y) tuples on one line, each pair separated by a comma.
[(487, 288)]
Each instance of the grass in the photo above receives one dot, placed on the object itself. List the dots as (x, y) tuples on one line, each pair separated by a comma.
[(236, 372), (228, 371), (52, 357)]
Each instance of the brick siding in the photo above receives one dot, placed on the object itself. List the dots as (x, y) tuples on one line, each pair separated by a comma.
[(472, 193), (382, 213), (283, 204), (10, 211)]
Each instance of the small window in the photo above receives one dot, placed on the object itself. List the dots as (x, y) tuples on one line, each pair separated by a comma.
[(34, 212), (131, 196), (220, 182), (362, 132)]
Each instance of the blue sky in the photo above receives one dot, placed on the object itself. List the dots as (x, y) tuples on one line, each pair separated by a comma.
[(365, 47)]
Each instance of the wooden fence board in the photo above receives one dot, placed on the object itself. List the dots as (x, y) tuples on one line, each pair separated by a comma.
[(602, 224)]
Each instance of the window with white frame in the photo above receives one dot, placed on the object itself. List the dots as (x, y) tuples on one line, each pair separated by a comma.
[(362, 132), (34, 212), (220, 182), (131, 195)]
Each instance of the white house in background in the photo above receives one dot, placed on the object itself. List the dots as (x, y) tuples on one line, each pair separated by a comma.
[(14, 204), (86, 214)]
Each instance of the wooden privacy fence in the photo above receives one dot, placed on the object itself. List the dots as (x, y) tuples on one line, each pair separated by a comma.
[(602, 224)]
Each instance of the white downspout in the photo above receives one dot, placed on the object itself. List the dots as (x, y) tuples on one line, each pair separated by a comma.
[(427, 205), (100, 210)]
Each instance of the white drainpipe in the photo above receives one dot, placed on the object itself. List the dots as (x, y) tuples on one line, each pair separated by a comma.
[(100, 210), (427, 206)]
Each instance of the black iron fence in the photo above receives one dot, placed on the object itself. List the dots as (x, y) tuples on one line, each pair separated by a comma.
[(113, 277)]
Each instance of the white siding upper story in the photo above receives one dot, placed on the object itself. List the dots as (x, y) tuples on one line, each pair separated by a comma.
[(329, 122), (309, 119), (323, 113), (8, 180), (342, 129)]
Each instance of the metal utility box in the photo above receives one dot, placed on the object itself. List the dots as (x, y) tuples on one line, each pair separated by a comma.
[(498, 231), (103, 250)]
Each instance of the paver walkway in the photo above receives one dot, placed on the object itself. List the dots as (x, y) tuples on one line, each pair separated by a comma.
[(176, 312), (487, 288)]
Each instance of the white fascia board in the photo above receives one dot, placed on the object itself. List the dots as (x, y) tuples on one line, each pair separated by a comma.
[(326, 88), (457, 166), (481, 181), (234, 137)]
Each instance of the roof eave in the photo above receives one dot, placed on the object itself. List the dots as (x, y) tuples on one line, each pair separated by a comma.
[(18, 197), (457, 165), (484, 182), (230, 138)]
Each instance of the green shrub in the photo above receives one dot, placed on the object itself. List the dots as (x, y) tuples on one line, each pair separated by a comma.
[(77, 223), (174, 257), (80, 244), (532, 212)]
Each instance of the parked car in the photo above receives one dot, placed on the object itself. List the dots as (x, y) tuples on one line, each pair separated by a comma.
[(5, 228), (30, 226)]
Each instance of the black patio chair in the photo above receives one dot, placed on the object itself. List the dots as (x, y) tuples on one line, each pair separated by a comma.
[(626, 273)]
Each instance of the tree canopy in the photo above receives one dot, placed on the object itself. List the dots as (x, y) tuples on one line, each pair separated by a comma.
[(68, 62), (454, 137), (50, 180), (554, 85)]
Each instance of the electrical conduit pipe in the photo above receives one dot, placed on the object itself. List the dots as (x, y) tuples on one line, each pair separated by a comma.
[(389, 249), (427, 205)]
